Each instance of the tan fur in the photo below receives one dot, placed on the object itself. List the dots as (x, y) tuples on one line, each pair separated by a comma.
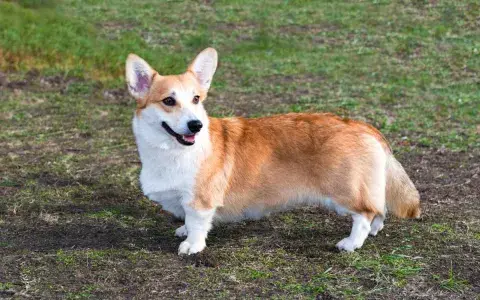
[(402, 196), (268, 161)]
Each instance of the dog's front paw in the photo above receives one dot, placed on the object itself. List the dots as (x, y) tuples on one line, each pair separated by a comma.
[(181, 231), (347, 244), (187, 248)]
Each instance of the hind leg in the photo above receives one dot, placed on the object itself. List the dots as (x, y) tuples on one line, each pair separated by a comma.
[(377, 225), (370, 197), (360, 230)]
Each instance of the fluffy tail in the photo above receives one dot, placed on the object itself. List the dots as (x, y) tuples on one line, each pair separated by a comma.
[(401, 195)]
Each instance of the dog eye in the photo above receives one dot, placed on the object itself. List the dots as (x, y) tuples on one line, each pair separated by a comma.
[(169, 101), (196, 99)]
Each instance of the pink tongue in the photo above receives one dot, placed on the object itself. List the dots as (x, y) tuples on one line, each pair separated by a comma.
[(189, 138)]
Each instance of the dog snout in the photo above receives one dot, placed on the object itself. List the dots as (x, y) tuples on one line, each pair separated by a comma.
[(195, 126)]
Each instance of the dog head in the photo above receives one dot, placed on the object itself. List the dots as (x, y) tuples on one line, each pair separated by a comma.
[(173, 104)]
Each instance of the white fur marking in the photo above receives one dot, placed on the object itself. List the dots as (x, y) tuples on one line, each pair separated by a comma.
[(139, 75), (204, 67), (377, 225), (181, 231), (198, 223), (378, 179), (360, 230)]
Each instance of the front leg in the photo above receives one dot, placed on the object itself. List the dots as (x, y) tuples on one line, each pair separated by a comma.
[(181, 231), (170, 201), (198, 223)]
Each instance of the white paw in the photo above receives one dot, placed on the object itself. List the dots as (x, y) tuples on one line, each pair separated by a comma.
[(181, 231), (187, 248), (347, 245), (375, 229)]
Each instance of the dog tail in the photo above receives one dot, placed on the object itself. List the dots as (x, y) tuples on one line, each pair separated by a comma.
[(402, 197)]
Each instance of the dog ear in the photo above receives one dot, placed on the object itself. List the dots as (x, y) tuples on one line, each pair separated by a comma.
[(204, 66), (139, 76)]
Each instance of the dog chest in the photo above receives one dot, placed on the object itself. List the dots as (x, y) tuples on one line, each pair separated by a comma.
[(167, 174)]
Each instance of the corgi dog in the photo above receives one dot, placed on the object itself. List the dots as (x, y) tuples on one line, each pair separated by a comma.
[(206, 170)]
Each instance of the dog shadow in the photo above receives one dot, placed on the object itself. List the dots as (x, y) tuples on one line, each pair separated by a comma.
[(77, 229)]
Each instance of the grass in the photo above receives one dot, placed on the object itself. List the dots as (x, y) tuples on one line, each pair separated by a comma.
[(5, 286), (73, 221), (452, 283)]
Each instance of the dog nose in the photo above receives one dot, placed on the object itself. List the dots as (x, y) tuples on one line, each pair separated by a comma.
[(195, 126)]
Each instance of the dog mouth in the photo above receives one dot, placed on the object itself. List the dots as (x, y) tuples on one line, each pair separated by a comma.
[(184, 139)]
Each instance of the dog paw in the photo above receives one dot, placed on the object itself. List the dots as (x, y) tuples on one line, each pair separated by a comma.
[(187, 248), (347, 245), (181, 231), (375, 230)]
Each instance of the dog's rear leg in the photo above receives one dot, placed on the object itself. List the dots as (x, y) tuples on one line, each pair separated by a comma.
[(372, 196), (377, 225), (360, 230)]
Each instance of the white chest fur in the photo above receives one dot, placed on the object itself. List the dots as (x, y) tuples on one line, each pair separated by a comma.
[(168, 168)]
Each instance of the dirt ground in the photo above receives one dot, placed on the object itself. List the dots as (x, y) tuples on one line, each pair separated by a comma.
[(117, 244), (448, 182)]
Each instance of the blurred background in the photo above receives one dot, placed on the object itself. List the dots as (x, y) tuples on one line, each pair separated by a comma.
[(74, 224)]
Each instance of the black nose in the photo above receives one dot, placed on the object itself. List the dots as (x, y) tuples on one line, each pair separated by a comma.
[(195, 126)]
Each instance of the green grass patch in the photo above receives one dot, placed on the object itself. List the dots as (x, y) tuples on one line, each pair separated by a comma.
[(256, 274), (66, 258), (317, 284), (452, 282), (4, 286), (23, 45), (396, 265), (442, 228)]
